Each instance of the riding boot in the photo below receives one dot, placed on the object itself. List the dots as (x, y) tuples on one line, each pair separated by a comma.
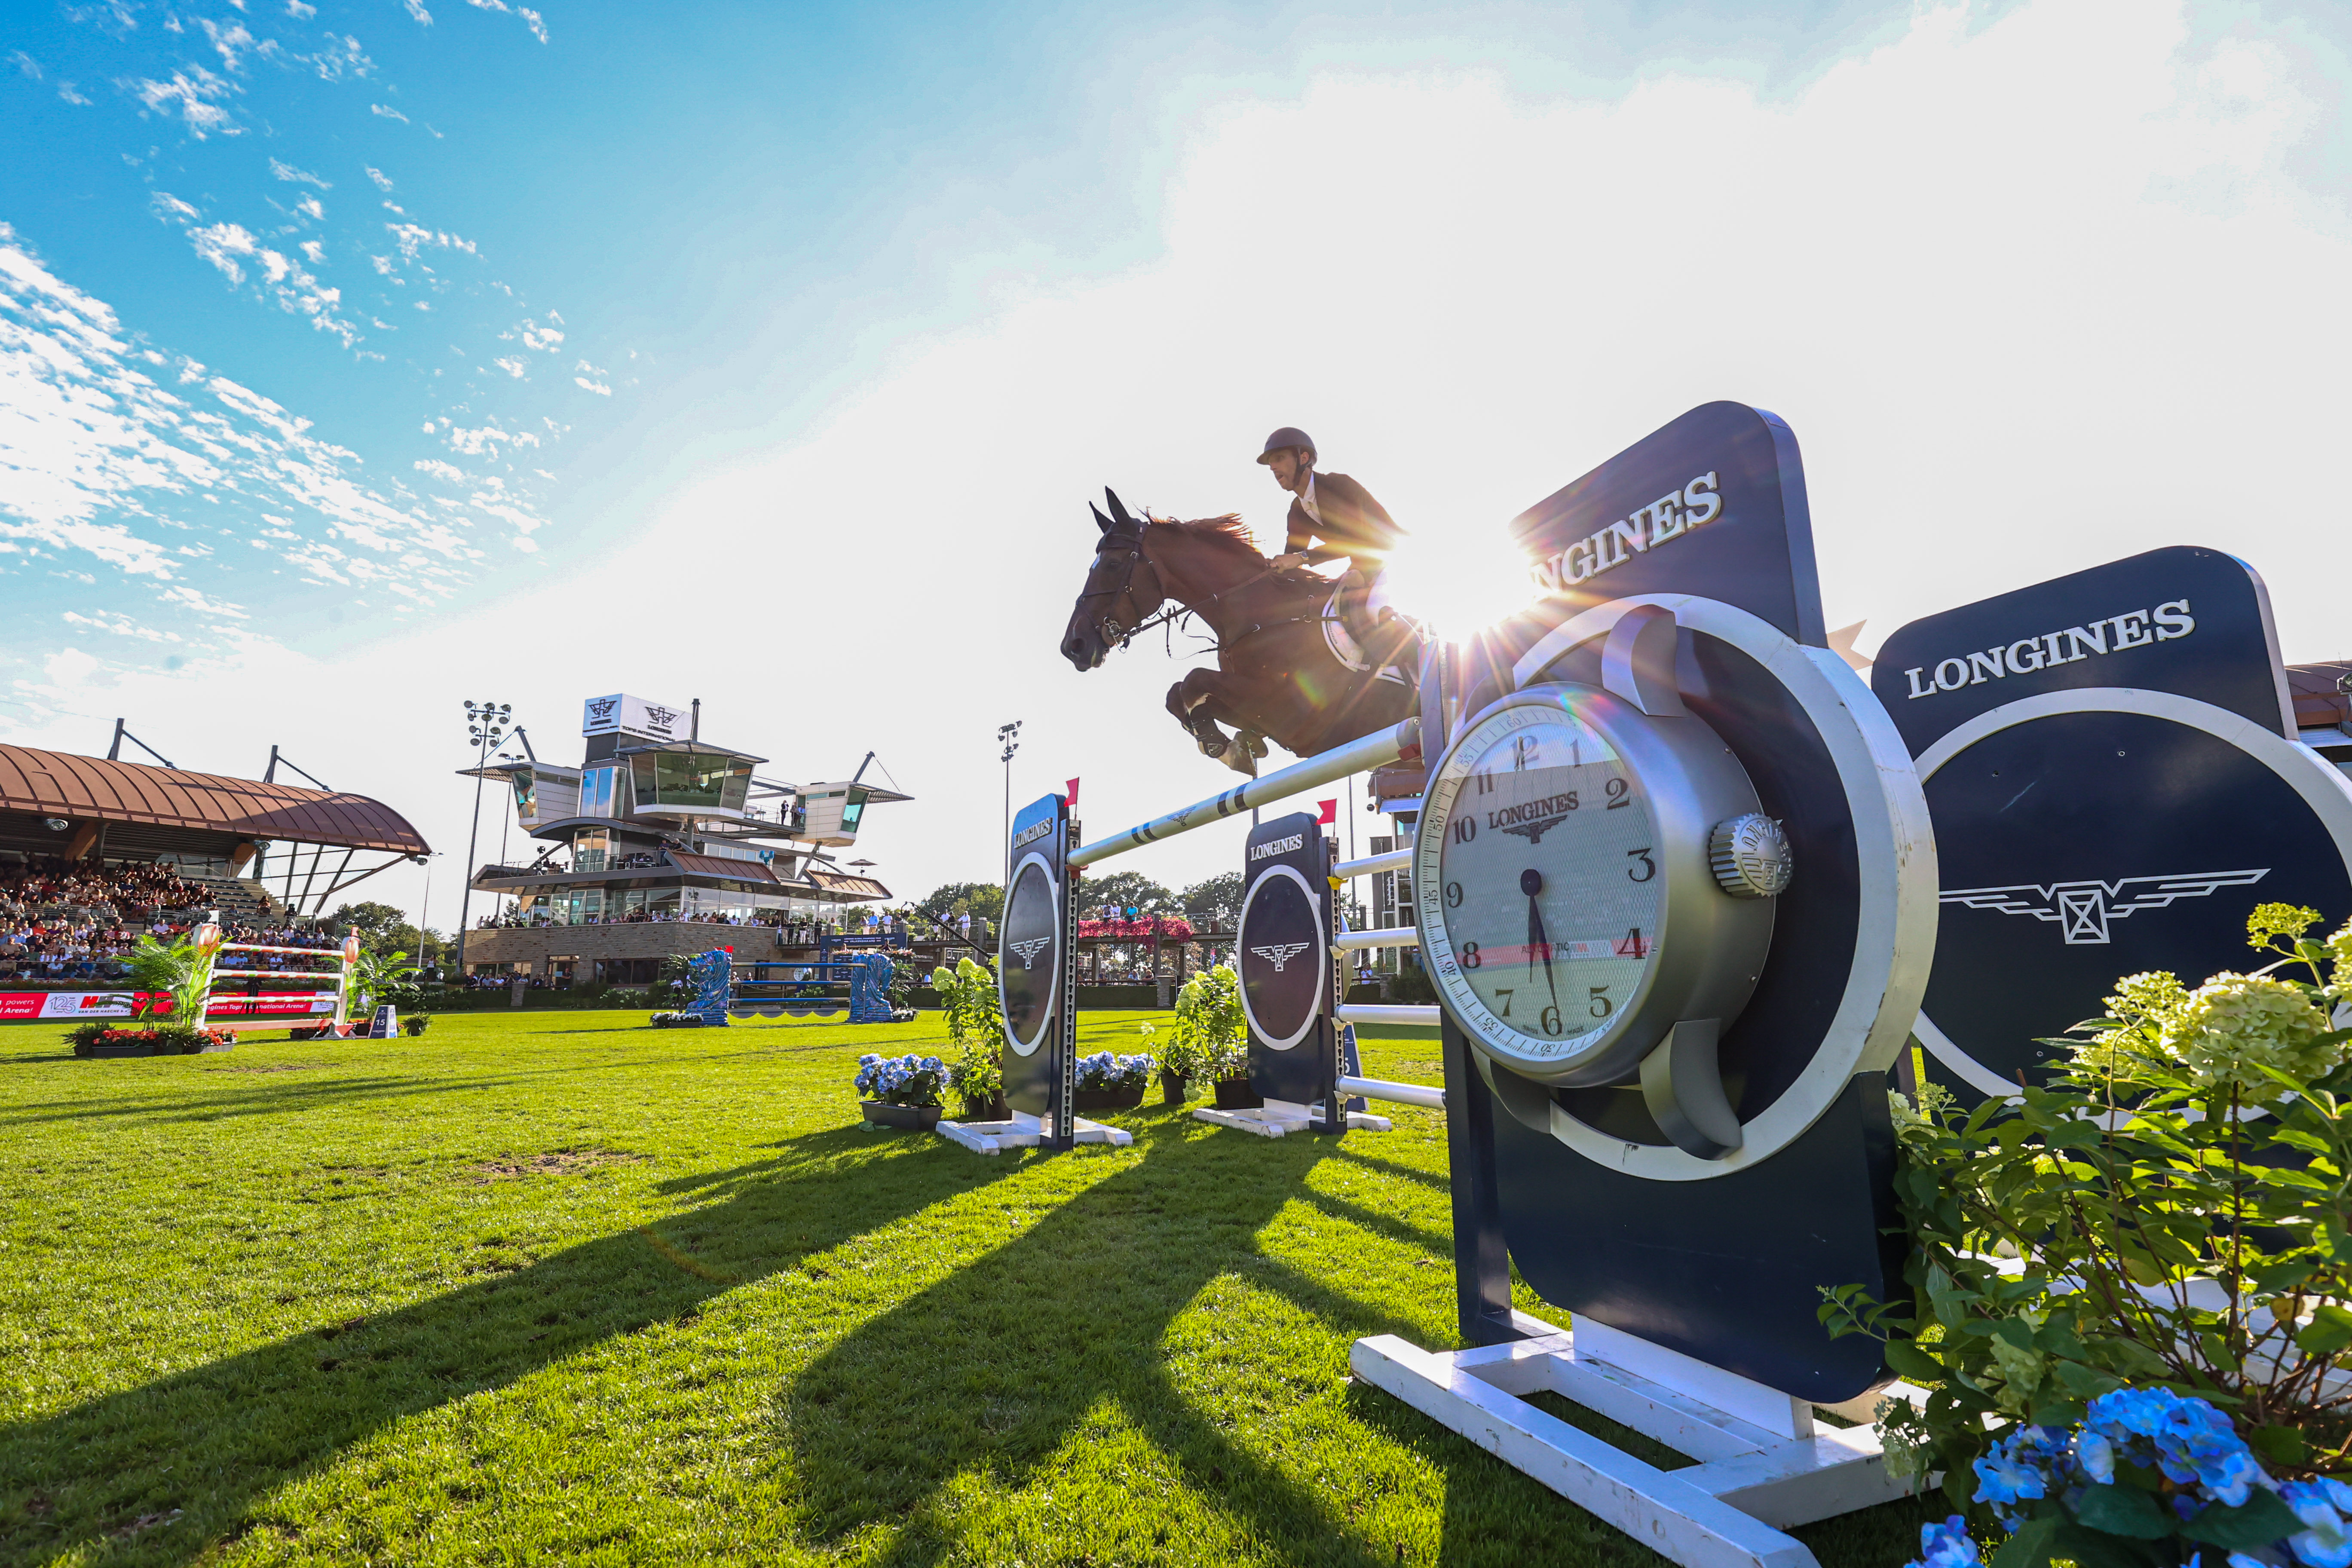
[(1355, 591)]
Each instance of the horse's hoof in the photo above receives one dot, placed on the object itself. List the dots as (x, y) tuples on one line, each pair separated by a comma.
[(1253, 744), (1215, 748), (1236, 757)]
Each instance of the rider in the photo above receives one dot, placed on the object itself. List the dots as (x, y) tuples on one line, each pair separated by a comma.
[(1350, 524)]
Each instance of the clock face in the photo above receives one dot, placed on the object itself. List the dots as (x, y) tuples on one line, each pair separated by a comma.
[(1539, 876)]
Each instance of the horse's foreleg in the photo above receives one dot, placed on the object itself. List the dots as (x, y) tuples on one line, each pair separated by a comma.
[(1187, 701), (1206, 706)]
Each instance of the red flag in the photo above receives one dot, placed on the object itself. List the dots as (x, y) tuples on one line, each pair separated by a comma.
[(1331, 810), (1073, 792)]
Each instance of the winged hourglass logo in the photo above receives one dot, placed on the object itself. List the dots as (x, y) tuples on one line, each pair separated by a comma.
[(1028, 949), (2082, 909), (1281, 953)]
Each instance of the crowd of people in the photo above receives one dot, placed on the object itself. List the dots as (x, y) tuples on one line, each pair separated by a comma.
[(78, 921)]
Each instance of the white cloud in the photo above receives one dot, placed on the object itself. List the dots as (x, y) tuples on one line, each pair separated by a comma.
[(383, 181), (231, 246), (69, 667), (513, 367), (378, 109), (416, 9), (441, 470), (204, 604), (300, 12), (311, 205), (599, 387), (230, 41), (316, 250), (289, 172), (24, 63), (535, 336), (342, 57), (193, 91), (66, 93), (484, 440), (530, 18), (121, 626), (94, 453), (411, 240)]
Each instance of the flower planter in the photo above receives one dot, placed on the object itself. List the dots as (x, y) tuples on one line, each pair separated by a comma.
[(1110, 1098), (1234, 1094), (1171, 1089), (919, 1117), (987, 1109)]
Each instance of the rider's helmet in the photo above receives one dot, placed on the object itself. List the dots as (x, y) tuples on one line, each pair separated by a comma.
[(1288, 436)]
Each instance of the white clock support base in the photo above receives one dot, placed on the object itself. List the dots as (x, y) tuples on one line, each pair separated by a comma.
[(1763, 1463), (1025, 1131), (1277, 1118)]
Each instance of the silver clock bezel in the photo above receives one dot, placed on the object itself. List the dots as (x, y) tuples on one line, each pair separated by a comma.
[(1322, 962), (1709, 948)]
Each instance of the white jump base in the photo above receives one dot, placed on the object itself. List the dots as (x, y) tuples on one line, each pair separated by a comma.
[(1280, 1117), (1764, 1464), (1025, 1131)]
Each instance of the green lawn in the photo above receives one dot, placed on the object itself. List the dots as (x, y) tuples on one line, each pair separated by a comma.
[(560, 1288)]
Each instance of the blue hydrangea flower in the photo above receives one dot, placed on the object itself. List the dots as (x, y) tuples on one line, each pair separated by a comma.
[(2096, 1455), (1946, 1545), (2326, 1540)]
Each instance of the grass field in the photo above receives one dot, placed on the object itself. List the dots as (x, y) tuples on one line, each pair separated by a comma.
[(558, 1287)]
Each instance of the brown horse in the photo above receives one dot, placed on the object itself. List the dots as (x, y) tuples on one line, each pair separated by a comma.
[(1280, 673)]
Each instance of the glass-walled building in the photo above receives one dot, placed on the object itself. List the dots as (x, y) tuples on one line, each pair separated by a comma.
[(656, 827)]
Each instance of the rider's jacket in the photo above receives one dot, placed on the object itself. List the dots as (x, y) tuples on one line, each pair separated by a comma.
[(1347, 519)]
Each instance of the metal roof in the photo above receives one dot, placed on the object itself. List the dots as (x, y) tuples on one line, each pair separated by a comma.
[(94, 789), (722, 866), (2319, 697), (844, 886)]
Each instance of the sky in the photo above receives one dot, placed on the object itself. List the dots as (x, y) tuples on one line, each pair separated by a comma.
[(359, 360)]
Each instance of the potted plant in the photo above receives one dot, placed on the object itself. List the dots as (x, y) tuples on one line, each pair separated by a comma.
[(1108, 1083), (968, 996), (1210, 1040), (1175, 1067), (2171, 1212), (182, 970), (416, 1023), (901, 1091)]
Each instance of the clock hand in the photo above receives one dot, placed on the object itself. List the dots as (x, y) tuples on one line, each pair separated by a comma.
[(1532, 884)]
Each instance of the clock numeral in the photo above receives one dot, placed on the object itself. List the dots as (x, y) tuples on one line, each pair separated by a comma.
[(1470, 959), (1486, 782), (1551, 1020), (1465, 828), (1601, 1007), (1649, 867), (1452, 895), (1523, 753), (1618, 792), (1507, 996), (1631, 944)]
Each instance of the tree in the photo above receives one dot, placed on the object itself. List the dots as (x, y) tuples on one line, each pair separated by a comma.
[(1223, 891), (371, 920), (1128, 890), (981, 900)]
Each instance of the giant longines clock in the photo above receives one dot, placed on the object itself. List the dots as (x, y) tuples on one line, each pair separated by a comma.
[(1601, 881)]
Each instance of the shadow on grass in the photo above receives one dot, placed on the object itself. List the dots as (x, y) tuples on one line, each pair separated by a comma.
[(996, 1369), (168, 1103), (215, 1439)]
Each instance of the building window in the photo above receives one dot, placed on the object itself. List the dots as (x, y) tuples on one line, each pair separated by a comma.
[(599, 792), (591, 847), (682, 781)]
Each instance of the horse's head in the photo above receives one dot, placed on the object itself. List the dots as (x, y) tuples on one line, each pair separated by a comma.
[(1122, 590)]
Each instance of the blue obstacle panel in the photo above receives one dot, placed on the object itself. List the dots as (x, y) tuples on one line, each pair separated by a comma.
[(725, 988)]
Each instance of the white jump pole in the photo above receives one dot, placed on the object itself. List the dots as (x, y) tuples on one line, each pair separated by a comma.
[(1371, 751)]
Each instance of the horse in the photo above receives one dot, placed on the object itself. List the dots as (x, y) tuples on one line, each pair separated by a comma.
[(1287, 670)]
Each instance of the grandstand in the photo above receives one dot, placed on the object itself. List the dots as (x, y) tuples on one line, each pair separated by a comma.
[(258, 852)]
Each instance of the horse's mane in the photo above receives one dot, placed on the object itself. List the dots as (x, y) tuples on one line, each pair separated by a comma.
[(1229, 529)]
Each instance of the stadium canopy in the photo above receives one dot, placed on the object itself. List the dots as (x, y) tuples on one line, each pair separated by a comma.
[(59, 804)]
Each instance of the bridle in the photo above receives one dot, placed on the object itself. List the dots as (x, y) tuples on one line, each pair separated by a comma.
[(1125, 537)]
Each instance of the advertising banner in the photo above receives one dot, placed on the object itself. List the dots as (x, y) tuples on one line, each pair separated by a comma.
[(621, 714)]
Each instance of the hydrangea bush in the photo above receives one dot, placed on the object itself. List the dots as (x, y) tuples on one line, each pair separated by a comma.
[(968, 996), (1105, 1071), (2171, 1216), (2148, 1477), (1210, 1038), (910, 1079)]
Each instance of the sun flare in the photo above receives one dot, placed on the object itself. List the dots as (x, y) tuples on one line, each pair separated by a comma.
[(1457, 581)]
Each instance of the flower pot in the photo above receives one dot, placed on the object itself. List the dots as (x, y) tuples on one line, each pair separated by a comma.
[(987, 1109), (1110, 1098), (1171, 1089), (920, 1118), (1234, 1094)]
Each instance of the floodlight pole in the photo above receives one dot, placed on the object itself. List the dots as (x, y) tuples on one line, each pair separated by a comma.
[(485, 723), (1011, 735)]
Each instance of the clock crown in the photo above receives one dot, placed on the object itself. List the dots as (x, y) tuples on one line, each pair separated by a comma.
[(1749, 856)]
